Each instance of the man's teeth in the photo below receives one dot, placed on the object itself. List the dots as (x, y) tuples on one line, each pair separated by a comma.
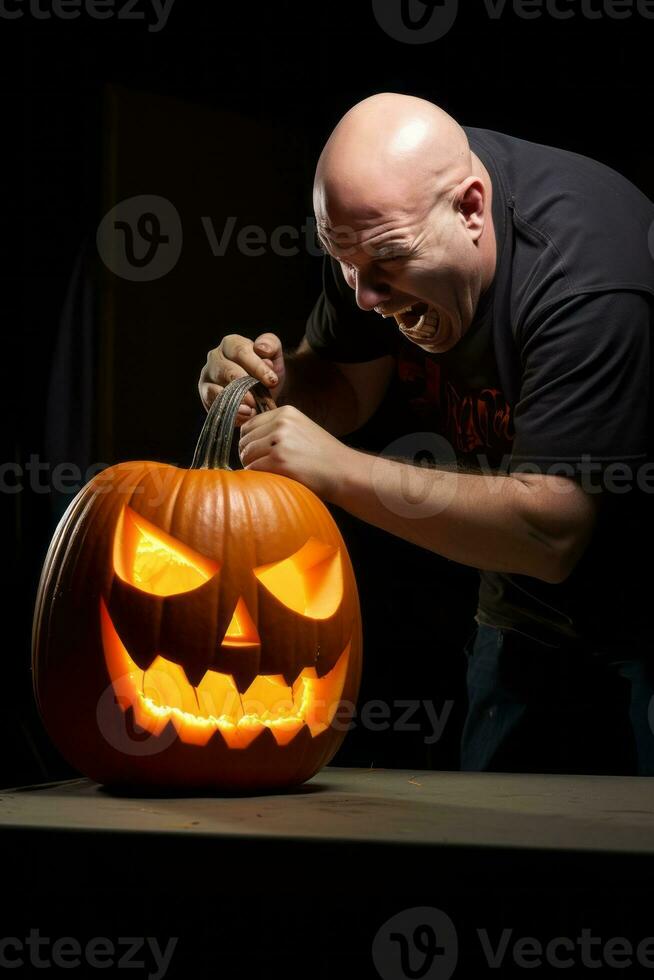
[(407, 309), (426, 326), (424, 329)]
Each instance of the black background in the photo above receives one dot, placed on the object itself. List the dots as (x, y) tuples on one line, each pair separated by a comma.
[(293, 68)]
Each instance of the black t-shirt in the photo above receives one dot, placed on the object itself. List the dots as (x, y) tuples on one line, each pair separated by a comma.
[(552, 376)]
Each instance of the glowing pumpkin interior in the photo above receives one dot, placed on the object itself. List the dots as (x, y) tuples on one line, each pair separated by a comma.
[(309, 583)]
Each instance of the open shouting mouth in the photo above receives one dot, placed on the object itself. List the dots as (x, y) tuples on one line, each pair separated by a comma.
[(417, 321)]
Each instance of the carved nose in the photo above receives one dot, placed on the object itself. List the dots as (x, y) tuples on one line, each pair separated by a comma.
[(241, 631), (240, 650)]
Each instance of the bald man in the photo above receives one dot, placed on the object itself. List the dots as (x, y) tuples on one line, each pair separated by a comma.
[(503, 291)]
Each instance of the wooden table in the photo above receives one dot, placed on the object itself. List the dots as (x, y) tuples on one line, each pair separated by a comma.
[(322, 868)]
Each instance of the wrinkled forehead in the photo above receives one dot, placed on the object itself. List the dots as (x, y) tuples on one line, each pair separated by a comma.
[(348, 213), (362, 205), (344, 229), (370, 230)]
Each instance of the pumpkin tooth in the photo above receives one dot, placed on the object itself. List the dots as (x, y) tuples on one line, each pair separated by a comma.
[(286, 730), (166, 684), (322, 695), (268, 696), (301, 690), (218, 697)]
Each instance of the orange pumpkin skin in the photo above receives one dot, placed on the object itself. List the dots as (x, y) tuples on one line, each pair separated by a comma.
[(240, 523)]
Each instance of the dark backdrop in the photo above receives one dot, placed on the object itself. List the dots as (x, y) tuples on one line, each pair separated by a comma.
[(224, 112)]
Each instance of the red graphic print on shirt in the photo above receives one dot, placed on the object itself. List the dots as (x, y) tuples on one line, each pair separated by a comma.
[(473, 420)]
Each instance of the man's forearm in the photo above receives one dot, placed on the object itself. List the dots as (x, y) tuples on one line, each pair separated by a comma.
[(318, 389), (487, 522)]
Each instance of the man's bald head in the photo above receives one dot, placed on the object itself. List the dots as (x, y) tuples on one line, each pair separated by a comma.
[(404, 206), (389, 152)]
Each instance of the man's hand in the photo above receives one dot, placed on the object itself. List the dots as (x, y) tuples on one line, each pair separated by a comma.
[(286, 442), (237, 356)]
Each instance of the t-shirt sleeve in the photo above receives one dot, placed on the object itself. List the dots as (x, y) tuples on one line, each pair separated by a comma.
[(338, 330), (583, 405)]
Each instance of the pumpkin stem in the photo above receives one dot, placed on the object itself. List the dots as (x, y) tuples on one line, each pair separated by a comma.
[(215, 443)]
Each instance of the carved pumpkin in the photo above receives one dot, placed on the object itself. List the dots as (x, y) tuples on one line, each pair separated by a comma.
[(197, 628)]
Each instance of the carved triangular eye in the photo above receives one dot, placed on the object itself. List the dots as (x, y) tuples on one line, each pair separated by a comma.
[(310, 582), (155, 562)]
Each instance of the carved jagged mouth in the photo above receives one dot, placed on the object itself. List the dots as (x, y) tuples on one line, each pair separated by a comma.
[(162, 694)]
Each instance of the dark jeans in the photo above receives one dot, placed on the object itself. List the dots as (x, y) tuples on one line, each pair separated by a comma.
[(538, 708)]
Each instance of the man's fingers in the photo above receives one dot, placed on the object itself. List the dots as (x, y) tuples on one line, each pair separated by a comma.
[(263, 424), (240, 351), (268, 344), (235, 358), (208, 393), (244, 415), (270, 348), (250, 452)]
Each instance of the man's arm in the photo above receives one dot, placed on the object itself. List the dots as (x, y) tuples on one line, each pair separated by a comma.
[(525, 524), (339, 397)]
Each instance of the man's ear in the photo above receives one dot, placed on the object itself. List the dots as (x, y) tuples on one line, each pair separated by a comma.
[(470, 201)]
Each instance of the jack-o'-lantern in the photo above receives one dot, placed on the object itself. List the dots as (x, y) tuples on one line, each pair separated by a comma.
[(197, 628)]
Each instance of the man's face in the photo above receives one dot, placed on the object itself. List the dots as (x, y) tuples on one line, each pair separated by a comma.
[(421, 267)]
